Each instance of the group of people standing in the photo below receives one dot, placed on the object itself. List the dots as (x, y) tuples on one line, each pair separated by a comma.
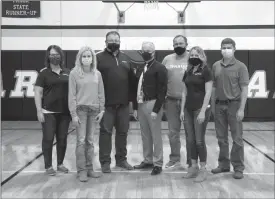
[(100, 86)]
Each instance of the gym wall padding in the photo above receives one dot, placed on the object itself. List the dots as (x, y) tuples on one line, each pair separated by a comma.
[(262, 108), (24, 108), (11, 108)]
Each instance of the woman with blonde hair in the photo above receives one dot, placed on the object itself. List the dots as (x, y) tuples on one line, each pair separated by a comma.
[(86, 105), (195, 111)]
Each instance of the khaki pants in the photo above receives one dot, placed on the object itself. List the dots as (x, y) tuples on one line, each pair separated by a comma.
[(151, 134)]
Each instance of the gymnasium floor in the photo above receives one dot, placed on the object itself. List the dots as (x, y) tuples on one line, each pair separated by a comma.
[(23, 171)]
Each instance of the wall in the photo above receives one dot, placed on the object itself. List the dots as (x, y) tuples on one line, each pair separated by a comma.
[(203, 13), (72, 24), (20, 69)]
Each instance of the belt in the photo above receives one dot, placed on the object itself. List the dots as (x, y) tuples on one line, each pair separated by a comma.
[(173, 98), (227, 101)]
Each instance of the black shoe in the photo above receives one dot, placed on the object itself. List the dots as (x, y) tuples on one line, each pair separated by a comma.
[(156, 170), (144, 165), (124, 165)]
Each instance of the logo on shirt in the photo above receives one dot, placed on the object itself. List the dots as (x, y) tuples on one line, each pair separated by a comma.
[(180, 66)]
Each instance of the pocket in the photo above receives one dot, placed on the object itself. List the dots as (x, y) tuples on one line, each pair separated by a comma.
[(81, 110)]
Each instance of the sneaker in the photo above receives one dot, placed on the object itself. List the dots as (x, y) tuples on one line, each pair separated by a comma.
[(93, 174), (202, 176), (192, 172), (238, 175), (171, 164), (62, 168), (106, 168), (50, 171), (125, 165), (219, 170), (82, 175)]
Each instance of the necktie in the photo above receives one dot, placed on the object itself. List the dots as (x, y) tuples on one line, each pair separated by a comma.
[(140, 82)]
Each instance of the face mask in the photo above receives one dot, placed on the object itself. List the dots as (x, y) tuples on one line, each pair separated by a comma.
[(179, 50), (113, 46), (195, 61), (55, 60), (87, 61), (146, 56), (227, 53)]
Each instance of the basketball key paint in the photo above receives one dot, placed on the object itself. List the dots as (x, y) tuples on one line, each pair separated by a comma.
[(25, 80)]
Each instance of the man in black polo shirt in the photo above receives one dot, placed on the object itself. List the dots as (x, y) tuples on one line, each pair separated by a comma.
[(152, 88), (230, 88), (119, 80)]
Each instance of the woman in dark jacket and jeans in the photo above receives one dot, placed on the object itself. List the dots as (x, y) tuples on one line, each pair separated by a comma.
[(195, 112), (51, 101)]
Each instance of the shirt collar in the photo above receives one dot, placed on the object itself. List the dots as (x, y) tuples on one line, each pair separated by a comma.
[(61, 70), (232, 62), (108, 51)]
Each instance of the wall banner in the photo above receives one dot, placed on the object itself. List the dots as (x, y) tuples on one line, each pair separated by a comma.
[(21, 9)]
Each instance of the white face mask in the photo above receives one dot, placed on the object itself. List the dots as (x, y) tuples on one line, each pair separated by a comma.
[(227, 53), (87, 61)]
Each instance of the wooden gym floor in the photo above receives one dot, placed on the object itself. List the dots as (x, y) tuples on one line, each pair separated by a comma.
[(23, 169)]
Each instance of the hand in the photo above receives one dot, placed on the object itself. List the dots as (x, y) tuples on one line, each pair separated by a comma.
[(154, 115), (76, 121), (240, 115), (40, 116), (98, 118), (182, 116), (135, 114), (201, 117)]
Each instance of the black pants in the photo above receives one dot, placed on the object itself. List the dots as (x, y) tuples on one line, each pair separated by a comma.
[(118, 117), (55, 124)]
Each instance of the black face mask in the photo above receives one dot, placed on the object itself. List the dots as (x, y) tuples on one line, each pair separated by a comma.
[(55, 60), (113, 46), (146, 56), (195, 61), (179, 50)]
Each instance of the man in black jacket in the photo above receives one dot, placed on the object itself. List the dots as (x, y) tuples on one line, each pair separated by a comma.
[(152, 88), (119, 81)]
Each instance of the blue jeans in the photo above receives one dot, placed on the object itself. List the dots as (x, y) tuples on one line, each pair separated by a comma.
[(225, 114), (196, 133), (173, 109), (85, 138)]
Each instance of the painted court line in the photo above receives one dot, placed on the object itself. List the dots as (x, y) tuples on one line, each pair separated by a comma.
[(143, 171)]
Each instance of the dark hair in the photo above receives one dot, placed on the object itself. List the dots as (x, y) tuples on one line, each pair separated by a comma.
[(177, 36), (60, 52), (112, 33), (228, 41)]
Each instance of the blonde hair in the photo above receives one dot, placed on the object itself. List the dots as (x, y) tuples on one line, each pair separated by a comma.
[(78, 63), (201, 54)]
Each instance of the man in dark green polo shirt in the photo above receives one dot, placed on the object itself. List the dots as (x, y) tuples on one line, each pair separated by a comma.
[(230, 89)]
